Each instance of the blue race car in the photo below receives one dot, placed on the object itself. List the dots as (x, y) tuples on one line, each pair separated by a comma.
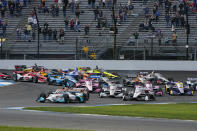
[(56, 79), (62, 96)]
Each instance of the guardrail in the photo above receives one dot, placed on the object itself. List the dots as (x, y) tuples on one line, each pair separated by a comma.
[(106, 64)]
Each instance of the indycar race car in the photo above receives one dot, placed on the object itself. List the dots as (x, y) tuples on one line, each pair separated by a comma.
[(5, 76), (56, 79), (192, 82), (177, 88), (110, 89), (138, 92), (62, 96)]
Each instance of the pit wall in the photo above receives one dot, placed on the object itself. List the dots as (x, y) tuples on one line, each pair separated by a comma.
[(106, 64)]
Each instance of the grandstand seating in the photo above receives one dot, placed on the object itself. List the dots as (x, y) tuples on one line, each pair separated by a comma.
[(97, 42)]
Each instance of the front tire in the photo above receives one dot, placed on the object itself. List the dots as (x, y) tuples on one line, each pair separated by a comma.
[(35, 79)]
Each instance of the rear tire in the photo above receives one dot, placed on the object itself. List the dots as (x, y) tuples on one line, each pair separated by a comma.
[(49, 82), (15, 77), (35, 79), (66, 98)]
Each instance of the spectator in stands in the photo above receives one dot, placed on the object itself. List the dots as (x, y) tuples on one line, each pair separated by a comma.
[(77, 25), (125, 13), (24, 2), (19, 9), (46, 25), (66, 21), (57, 10), (46, 10), (29, 28), (157, 14), (43, 2), (18, 30), (72, 23), (77, 13), (89, 3), (93, 3), (159, 35), (30, 20), (4, 28), (166, 40), (61, 36), (136, 36), (25, 34), (3, 9), (72, 6), (50, 32), (104, 3), (44, 33), (167, 17), (52, 10), (182, 21), (86, 29), (174, 38), (131, 7), (64, 10), (35, 23), (55, 34), (65, 2), (96, 12)]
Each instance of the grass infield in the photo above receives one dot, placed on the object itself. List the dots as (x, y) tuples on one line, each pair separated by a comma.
[(181, 111), (13, 128)]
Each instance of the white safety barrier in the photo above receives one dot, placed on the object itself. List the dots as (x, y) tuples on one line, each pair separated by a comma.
[(106, 64)]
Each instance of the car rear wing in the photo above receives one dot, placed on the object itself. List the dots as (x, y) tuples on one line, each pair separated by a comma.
[(192, 79), (20, 67)]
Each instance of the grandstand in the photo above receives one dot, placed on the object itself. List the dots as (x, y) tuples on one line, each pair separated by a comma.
[(99, 40)]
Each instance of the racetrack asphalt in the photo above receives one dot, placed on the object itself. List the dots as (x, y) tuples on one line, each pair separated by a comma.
[(23, 94)]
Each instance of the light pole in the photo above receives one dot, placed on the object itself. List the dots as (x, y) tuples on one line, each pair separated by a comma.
[(39, 30), (187, 31), (115, 30)]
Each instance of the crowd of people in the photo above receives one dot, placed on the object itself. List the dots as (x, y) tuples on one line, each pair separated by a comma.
[(175, 16), (72, 23)]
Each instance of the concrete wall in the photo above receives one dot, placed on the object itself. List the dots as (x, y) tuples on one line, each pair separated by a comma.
[(106, 64)]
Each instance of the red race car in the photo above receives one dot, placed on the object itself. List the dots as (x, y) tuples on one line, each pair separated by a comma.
[(5, 76)]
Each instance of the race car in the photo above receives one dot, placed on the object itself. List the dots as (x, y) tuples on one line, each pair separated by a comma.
[(5, 76), (62, 96), (22, 76), (56, 79), (111, 89), (154, 88), (177, 88), (138, 92), (192, 82)]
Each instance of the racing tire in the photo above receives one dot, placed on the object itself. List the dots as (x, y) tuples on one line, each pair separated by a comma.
[(49, 82), (15, 77), (66, 98), (124, 98), (100, 96), (35, 79)]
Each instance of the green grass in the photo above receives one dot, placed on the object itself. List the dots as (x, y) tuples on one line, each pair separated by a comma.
[(13, 128), (171, 111)]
